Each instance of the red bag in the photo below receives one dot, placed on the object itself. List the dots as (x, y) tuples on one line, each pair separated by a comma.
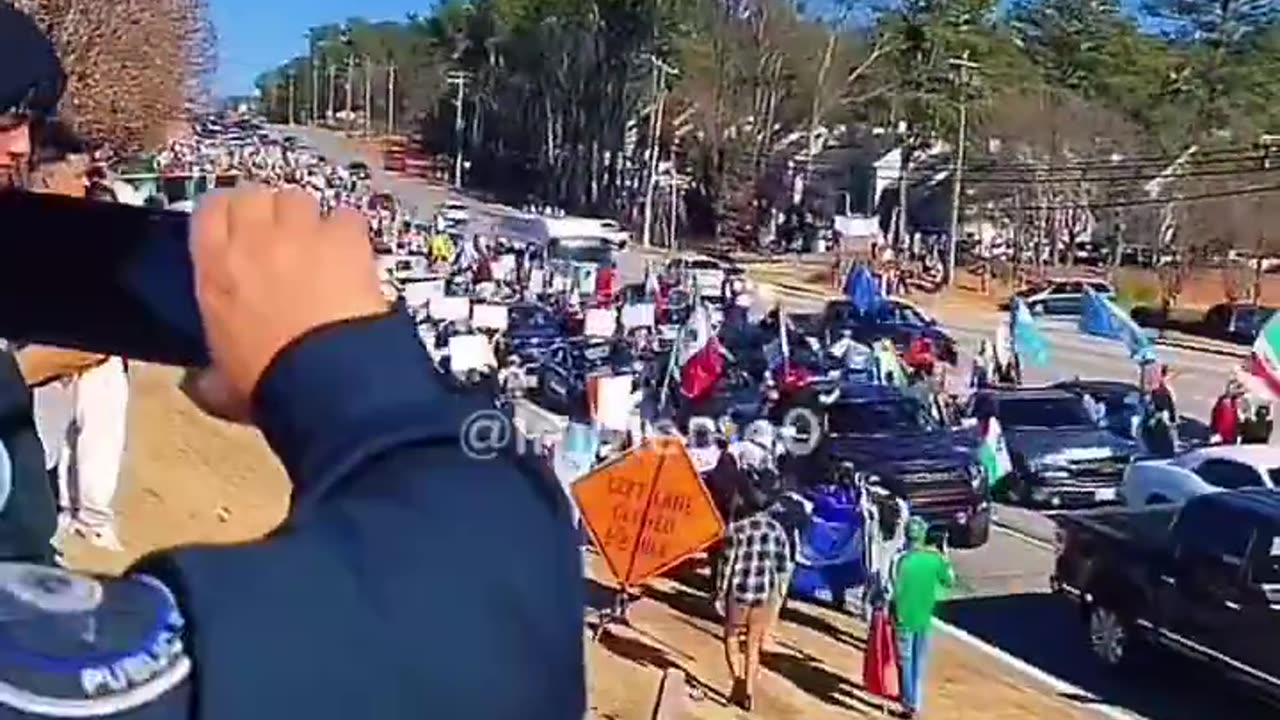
[(880, 674)]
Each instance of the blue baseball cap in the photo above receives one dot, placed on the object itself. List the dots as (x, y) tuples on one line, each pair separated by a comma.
[(32, 78)]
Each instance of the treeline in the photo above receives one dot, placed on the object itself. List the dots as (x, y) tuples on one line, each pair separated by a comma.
[(1074, 107)]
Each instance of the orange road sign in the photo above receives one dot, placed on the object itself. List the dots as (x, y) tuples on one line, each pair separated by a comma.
[(648, 510)]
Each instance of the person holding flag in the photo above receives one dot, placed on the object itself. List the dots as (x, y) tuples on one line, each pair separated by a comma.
[(993, 452)]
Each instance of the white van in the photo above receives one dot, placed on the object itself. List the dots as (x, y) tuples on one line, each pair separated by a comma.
[(542, 229)]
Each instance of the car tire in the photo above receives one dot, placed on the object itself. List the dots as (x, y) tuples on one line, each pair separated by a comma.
[(1110, 636), (976, 532)]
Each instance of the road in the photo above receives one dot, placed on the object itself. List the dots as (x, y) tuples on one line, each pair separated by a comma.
[(1003, 595)]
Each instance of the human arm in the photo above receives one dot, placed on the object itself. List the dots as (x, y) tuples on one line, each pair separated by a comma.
[(457, 573)]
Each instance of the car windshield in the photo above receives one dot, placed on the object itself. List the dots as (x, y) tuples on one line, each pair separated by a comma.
[(704, 265), (880, 417), (584, 251), (1044, 412), (590, 357), (1253, 315), (530, 316)]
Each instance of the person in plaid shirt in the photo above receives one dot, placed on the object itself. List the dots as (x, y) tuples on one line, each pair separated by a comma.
[(759, 561)]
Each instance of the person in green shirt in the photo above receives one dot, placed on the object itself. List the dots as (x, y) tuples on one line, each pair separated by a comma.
[(923, 574)]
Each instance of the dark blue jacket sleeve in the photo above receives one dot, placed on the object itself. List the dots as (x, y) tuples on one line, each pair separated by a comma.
[(408, 580)]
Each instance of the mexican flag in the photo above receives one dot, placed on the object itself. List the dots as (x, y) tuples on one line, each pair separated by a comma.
[(1264, 361), (993, 455)]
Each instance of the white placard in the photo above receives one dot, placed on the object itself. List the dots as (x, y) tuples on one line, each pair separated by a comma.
[(600, 322), (450, 307), (537, 276), (638, 315), (421, 293), (559, 283), (470, 352), (504, 267), (489, 317), (613, 401)]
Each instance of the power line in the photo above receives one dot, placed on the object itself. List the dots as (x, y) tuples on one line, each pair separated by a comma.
[(1162, 160), (980, 178), (1147, 202)]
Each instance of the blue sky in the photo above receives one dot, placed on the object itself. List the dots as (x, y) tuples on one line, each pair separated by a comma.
[(255, 35)]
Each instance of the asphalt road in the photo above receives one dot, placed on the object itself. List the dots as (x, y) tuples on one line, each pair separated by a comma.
[(1003, 595)]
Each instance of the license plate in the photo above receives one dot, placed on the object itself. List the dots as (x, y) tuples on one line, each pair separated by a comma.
[(1105, 494)]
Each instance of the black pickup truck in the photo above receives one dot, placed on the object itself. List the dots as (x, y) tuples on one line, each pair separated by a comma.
[(1202, 580)]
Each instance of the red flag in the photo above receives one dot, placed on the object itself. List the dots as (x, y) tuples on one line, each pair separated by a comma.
[(880, 663), (704, 368)]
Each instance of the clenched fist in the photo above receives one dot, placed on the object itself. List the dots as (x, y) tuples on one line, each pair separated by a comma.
[(269, 268)]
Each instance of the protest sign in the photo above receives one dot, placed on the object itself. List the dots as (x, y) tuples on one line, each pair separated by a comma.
[(470, 352), (638, 315), (648, 510), (421, 292), (489, 317), (600, 322), (450, 307), (610, 401), (504, 267)]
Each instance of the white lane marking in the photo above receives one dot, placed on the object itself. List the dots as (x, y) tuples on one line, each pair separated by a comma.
[(1025, 537), (1086, 699)]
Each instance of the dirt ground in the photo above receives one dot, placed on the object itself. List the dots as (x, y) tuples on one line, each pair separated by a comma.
[(189, 478)]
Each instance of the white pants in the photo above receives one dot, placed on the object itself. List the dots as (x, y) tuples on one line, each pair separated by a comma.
[(91, 459)]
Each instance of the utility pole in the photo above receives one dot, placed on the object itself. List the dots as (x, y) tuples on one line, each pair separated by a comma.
[(333, 90), (368, 95), (391, 98), (351, 69), (962, 65), (459, 78), (291, 95), (660, 102), (315, 89)]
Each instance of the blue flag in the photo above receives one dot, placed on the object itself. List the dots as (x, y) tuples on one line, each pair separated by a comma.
[(1101, 317), (1028, 341), (863, 290)]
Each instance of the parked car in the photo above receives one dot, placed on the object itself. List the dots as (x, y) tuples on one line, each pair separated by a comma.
[(455, 212), (532, 331), (1061, 297), (1236, 322), (562, 380), (1061, 456), (359, 171), (613, 231), (1200, 471), (703, 273), (1202, 581), (893, 437), (895, 319)]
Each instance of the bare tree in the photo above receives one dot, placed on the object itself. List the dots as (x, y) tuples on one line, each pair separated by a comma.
[(134, 67)]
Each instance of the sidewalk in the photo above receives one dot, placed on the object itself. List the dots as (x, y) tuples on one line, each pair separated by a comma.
[(814, 672)]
